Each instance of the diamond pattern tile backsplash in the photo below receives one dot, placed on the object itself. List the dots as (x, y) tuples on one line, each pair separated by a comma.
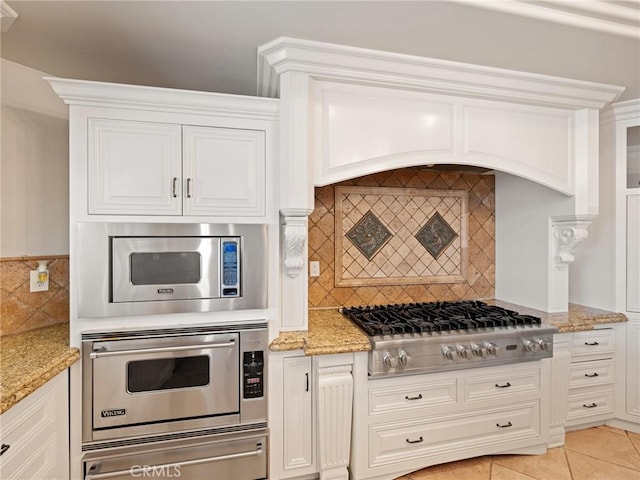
[(407, 235)]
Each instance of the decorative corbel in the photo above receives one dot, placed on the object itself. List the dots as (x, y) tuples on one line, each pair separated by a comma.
[(568, 233), (294, 238)]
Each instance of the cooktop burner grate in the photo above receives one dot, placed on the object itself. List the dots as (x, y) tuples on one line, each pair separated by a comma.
[(432, 317)]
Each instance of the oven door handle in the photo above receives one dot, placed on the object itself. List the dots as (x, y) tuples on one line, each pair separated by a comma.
[(112, 353), (186, 463)]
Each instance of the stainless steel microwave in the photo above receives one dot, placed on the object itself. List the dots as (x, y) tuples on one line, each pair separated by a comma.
[(149, 268)]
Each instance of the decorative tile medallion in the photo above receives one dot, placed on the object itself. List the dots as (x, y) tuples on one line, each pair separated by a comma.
[(369, 235), (399, 236), (436, 235)]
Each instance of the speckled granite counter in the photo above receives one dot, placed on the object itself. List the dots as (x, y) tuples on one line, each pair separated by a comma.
[(330, 332), (578, 319), (29, 360)]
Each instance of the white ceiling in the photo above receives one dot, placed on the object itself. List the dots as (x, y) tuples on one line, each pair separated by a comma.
[(211, 45)]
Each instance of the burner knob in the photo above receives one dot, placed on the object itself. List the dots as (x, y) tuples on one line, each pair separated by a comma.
[(491, 348), (477, 350), (531, 346), (404, 358), (463, 351), (544, 344), (447, 352), (389, 360)]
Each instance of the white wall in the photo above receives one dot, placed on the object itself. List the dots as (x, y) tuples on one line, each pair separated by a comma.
[(34, 165), (523, 212)]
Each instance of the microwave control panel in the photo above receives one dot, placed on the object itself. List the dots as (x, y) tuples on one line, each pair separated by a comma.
[(253, 374), (230, 268)]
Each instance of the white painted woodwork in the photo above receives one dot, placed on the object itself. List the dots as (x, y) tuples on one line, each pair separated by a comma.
[(633, 253), (37, 430), (420, 420), (632, 380), (560, 371), (334, 410), (223, 171), (591, 379), (297, 414), (131, 167)]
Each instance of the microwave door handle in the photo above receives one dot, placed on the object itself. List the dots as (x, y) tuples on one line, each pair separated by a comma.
[(108, 353), (186, 463)]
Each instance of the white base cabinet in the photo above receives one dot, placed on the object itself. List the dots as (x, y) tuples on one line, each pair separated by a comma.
[(35, 434), (403, 424)]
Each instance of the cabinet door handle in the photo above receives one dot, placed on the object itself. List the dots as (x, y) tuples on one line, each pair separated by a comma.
[(415, 441), (4, 448), (188, 188), (593, 405), (591, 344), (506, 425), (418, 397), (306, 388), (591, 375), (506, 385), (173, 187)]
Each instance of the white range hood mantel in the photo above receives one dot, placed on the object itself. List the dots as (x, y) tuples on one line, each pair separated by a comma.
[(347, 112)]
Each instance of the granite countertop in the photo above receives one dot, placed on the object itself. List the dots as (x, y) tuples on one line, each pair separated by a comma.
[(29, 360), (330, 332)]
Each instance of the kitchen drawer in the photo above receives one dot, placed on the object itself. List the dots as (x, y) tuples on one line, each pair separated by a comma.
[(503, 385), (593, 342), (588, 374), (411, 396), (397, 442), (590, 403)]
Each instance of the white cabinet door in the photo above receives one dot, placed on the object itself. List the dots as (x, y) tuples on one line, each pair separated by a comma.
[(224, 171), (35, 434), (633, 253), (298, 434), (134, 168)]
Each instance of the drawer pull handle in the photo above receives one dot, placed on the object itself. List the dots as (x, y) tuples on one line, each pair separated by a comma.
[(419, 397), (591, 375), (507, 425), (173, 187), (593, 405), (188, 188), (506, 385), (4, 448), (592, 344), (415, 441)]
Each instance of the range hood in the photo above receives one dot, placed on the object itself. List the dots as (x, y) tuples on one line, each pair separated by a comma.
[(346, 112)]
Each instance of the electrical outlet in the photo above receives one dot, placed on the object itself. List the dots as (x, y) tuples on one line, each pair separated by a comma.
[(314, 268), (35, 285)]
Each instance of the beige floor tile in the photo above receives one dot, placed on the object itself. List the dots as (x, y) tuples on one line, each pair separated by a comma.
[(635, 439), (604, 445), (607, 428), (550, 466), (584, 467), (474, 468), (498, 472)]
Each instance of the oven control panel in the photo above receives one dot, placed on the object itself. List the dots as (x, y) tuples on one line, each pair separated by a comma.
[(253, 374)]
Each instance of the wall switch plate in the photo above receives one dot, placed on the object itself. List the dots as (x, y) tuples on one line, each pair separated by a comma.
[(314, 268), (35, 285)]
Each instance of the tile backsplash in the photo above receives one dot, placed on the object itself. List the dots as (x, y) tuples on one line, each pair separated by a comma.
[(401, 236), (22, 310)]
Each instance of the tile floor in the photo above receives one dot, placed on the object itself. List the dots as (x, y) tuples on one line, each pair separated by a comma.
[(599, 453)]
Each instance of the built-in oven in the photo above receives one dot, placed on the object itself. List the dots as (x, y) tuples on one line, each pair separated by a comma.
[(194, 379)]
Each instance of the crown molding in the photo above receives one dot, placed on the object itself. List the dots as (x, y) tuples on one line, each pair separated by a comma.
[(136, 97), (7, 16), (599, 15), (359, 65)]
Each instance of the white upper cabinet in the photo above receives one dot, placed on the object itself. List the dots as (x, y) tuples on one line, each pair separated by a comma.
[(134, 167), (224, 171), (155, 152)]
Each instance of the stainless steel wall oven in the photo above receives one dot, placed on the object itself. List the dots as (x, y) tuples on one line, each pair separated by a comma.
[(184, 397)]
